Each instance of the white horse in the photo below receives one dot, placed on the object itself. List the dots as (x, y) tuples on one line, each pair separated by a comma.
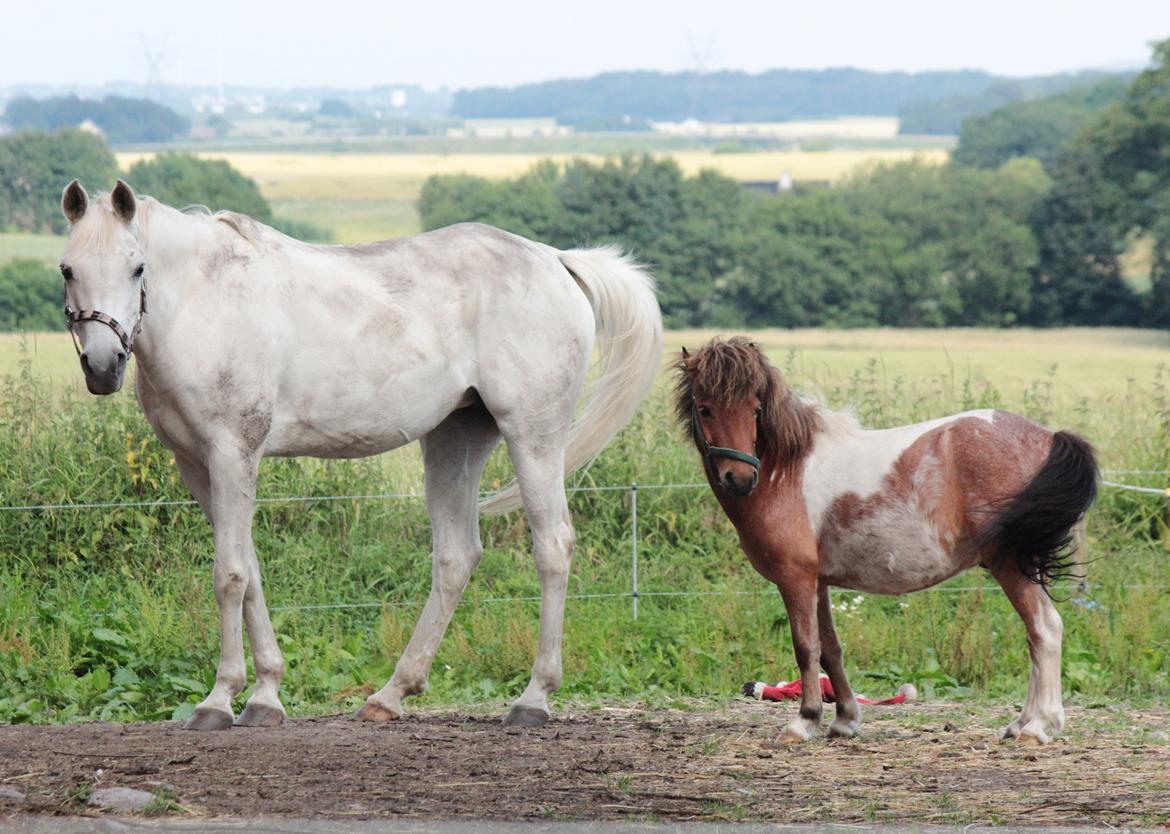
[(252, 344)]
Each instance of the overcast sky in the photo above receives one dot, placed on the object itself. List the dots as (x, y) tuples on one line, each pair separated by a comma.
[(360, 43)]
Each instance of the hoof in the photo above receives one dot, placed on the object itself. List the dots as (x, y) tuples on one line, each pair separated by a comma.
[(206, 720), (791, 737), (376, 712), (526, 717), (1030, 740), (842, 731), (258, 715)]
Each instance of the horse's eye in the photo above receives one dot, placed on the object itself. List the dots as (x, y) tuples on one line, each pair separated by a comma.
[(704, 411), (759, 412), (138, 272), (67, 273)]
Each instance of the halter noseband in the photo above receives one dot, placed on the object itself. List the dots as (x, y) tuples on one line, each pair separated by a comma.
[(710, 451), (75, 317)]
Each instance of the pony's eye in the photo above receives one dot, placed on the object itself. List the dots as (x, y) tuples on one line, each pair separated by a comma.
[(704, 411), (138, 272), (67, 273)]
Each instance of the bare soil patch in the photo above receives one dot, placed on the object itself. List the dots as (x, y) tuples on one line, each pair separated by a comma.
[(922, 764)]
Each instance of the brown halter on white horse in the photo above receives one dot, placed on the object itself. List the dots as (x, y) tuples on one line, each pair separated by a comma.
[(831, 504)]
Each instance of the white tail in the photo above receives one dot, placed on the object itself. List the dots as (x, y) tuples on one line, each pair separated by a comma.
[(629, 344)]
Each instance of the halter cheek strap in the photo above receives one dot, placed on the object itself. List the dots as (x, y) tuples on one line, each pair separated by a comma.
[(710, 451), (75, 317)]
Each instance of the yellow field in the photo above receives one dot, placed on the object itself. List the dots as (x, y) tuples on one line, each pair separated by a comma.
[(1100, 363), (369, 196)]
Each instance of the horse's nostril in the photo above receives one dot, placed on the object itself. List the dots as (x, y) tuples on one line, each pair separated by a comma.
[(85, 364), (121, 357)]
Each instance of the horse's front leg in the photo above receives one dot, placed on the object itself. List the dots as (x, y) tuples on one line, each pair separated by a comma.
[(231, 502), (833, 660), (799, 590)]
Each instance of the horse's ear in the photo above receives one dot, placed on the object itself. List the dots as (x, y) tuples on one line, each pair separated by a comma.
[(686, 355), (74, 202), (124, 202)]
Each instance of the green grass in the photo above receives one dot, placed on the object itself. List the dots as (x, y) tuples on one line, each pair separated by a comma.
[(109, 613), (47, 248)]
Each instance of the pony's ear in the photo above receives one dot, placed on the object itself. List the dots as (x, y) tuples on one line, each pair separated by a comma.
[(74, 202), (124, 202), (685, 354)]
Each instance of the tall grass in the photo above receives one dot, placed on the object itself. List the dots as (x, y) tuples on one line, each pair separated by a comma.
[(108, 613)]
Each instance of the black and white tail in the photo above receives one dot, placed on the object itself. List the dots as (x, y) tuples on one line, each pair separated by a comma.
[(1035, 526)]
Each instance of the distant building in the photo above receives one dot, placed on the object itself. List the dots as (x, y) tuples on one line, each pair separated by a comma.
[(783, 184), (508, 129)]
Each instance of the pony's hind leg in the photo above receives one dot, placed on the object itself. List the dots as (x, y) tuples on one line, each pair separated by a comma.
[(1043, 714), (540, 473), (454, 455), (848, 718)]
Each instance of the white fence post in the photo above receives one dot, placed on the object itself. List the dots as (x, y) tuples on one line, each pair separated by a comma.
[(634, 546)]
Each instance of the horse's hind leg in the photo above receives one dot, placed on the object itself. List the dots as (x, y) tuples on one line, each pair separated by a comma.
[(833, 661), (454, 455), (1043, 713), (540, 473)]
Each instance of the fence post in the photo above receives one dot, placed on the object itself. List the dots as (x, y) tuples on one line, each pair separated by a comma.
[(634, 546)]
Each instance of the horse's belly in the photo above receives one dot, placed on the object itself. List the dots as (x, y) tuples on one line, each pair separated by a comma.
[(893, 551)]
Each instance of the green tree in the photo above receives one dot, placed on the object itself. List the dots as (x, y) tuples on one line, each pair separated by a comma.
[(35, 167), (30, 296), (1036, 128), (181, 180)]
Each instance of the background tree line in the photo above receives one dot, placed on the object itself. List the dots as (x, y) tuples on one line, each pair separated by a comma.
[(1028, 225), (123, 120)]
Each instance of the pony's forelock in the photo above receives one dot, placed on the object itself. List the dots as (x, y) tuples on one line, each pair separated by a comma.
[(728, 372)]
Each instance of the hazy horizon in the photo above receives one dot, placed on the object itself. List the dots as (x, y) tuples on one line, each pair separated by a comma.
[(520, 41)]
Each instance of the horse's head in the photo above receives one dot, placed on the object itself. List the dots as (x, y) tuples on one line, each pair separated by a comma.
[(722, 392), (105, 291)]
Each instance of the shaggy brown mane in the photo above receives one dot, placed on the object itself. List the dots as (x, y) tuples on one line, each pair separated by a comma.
[(729, 371)]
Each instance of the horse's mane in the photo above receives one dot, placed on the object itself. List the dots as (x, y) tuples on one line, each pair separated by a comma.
[(729, 371), (97, 228)]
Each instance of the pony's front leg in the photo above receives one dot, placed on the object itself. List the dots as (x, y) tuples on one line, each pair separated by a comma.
[(799, 590), (232, 502), (848, 718)]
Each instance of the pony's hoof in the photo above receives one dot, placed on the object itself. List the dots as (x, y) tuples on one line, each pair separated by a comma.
[(842, 730), (259, 715), (792, 737), (207, 720), (526, 717), (376, 712)]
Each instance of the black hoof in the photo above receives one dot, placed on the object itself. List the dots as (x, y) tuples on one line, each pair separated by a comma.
[(526, 717), (257, 715), (208, 719)]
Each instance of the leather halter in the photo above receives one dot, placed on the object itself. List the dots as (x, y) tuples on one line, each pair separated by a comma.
[(710, 451), (75, 317)]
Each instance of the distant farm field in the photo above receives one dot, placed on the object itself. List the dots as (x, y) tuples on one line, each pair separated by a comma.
[(365, 196)]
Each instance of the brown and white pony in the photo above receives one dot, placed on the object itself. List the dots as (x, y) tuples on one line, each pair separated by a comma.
[(820, 502)]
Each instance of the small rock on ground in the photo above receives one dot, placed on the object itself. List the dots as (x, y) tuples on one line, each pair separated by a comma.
[(11, 794), (122, 800)]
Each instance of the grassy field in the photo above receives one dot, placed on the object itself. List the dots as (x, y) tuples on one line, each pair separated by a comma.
[(367, 196), (108, 613), (45, 248)]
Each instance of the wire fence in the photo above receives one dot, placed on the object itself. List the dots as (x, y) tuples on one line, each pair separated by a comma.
[(634, 594)]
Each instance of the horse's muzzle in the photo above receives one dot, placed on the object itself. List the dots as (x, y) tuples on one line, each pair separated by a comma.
[(739, 485), (104, 377)]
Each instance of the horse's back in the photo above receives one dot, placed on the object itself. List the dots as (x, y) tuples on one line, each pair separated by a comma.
[(904, 516)]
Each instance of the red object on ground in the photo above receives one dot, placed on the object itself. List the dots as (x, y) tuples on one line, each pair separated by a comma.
[(790, 691)]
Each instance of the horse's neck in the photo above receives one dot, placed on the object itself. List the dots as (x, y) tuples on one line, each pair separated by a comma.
[(177, 248)]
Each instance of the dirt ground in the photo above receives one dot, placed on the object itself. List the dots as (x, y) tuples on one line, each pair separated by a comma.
[(912, 764)]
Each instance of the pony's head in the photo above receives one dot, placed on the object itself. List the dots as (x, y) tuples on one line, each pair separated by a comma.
[(105, 291), (739, 412)]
